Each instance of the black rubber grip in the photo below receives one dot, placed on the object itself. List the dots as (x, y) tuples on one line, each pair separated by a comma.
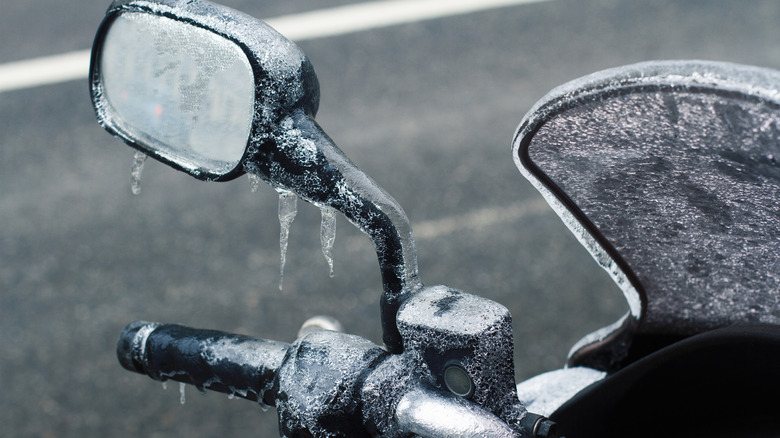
[(209, 359)]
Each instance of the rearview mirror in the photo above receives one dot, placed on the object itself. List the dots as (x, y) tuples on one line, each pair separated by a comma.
[(206, 124), (216, 93), (191, 84)]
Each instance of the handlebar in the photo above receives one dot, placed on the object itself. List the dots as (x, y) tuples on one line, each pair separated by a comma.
[(209, 359), (322, 376)]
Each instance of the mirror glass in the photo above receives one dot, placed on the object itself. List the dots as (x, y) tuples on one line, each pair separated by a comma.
[(179, 90)]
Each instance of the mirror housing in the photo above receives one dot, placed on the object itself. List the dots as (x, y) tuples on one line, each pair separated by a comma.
[(180, 61)]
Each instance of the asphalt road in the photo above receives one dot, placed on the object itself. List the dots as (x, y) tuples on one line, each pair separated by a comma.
[(427, 109)]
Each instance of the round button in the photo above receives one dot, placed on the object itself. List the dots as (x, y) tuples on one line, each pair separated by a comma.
[(457, 381)]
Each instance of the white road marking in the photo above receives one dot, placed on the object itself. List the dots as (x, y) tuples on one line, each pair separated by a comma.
[(364, 16), (44, 71), (480, 219), (298, 27), (471, 221)]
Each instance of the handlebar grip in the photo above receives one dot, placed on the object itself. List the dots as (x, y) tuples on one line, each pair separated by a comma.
[(209, 359)]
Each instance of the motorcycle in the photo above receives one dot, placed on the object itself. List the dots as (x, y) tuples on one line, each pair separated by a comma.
[(665, 172)]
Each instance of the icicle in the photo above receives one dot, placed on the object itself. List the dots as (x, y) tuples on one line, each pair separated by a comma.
[(254, 182), (182, 394), (165, 385), (328, 234), (135, 174), (288, 208)]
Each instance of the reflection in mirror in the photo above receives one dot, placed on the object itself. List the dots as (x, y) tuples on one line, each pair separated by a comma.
[(184, 92)]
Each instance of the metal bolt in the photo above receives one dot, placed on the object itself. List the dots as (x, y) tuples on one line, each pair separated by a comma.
[(545, 428), (538, 426)]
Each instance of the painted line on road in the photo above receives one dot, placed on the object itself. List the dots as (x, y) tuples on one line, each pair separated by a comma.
[(44, 71), (364, 16), (473, 221), (297, 27), (479, 219)]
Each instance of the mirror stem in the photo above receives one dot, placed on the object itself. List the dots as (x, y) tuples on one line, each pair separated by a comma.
[(301, 158)]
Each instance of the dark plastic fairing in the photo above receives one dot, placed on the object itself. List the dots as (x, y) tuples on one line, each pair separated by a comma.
[(667, 172), (722, 383)]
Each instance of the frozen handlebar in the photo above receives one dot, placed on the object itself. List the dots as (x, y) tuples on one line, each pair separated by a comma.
[(325, 381), (209, 359)]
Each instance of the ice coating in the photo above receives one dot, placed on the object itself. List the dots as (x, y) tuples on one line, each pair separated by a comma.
[(447, 326), (290, 151), (286, 147), (334, 384), (686, 149), (182, 393), (302, 159), (328, 234), (698, 220), (288, 209), (337, 385), (139, 158), (317, 380), (254, 182), (444, 309), (207, 359), (188, 90), (545, 393), (435, 414), (279, 75)]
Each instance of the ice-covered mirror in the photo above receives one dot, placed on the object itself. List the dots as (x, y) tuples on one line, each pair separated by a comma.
[(217, 93), (195, 84), (182, 90)]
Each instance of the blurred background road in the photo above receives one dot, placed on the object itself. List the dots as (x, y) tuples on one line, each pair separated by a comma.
[(427, 109)]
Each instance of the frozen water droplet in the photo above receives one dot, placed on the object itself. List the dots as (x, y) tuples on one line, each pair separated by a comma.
[(288, 208), (165, 385), (135, 173), (182, 393), (328, 234), (231, 396), (254, 182)]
